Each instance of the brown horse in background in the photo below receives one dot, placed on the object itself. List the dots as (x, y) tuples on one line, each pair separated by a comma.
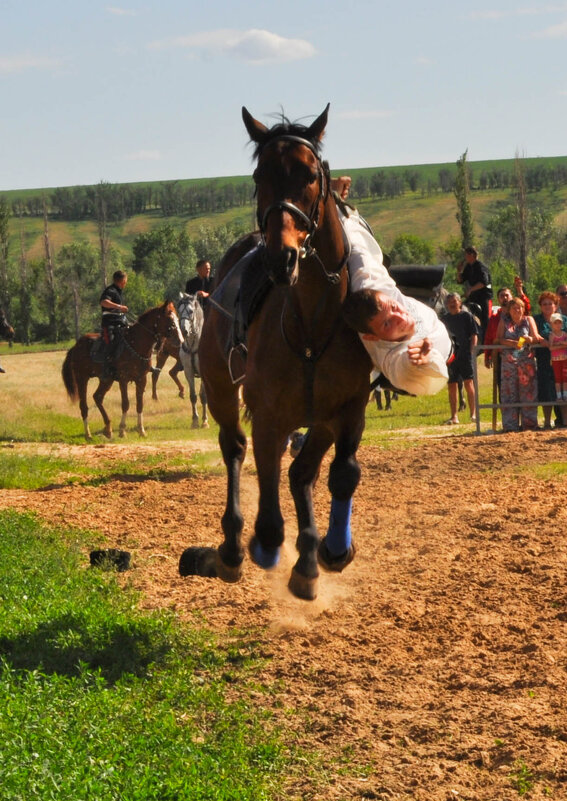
[(132, 364), (304, 367)]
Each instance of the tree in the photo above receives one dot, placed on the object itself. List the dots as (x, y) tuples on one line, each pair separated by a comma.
[(5, 294), (50, 280), (411, 249), (522, 217), (77, 264), (461, 191)]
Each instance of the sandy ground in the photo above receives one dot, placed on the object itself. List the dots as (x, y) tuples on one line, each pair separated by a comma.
[(438, 658)]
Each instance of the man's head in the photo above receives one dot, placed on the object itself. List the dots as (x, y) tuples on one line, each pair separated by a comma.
[(377, 316), (471, 254), (203, 268), (504, 295), (453, 303), (120, 278), (562, 292)]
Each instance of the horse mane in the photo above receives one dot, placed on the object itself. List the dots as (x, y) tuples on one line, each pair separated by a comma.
[(286, 127)]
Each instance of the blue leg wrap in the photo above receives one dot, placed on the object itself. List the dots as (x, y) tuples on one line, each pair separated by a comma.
[(338, 537), (264, 557)]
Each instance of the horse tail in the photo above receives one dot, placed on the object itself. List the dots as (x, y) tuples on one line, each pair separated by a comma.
[(68, 374)]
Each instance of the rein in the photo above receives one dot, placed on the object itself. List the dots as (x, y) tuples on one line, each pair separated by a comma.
[(154, 333)]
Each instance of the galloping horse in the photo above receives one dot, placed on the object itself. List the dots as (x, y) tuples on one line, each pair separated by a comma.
[(132, 364), (305, 367), (191, 320)]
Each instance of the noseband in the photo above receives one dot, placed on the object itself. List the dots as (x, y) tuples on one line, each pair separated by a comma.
[(311, 220)]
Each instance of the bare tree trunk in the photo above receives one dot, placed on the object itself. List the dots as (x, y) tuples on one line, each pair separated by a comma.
[(76, 309), (50, 276), (24, 290), (4, 249), (103, 238), (521, 205)]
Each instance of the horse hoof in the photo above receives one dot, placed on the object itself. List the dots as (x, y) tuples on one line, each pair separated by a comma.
[(205, 424), (302, 587), (197, 561), (227, 573), (335, 564), (107, 433), (195, 424), (266, 558)]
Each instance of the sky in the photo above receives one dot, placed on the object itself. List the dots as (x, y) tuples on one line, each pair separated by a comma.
[(150, 91)]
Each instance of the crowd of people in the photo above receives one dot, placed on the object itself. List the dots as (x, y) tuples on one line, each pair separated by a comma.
[(525, 375)]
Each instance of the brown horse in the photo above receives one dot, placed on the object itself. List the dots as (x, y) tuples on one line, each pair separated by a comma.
[(304, 367), (132, 364)]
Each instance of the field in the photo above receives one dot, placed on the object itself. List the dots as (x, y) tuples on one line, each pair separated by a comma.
[(433, 668)]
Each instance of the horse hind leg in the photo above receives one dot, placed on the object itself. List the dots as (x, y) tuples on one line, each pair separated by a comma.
[(98, 398)]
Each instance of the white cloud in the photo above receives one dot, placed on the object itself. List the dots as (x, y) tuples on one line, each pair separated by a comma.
[(144, 155), (553, 32), (424, 61), (358, 114), (24, 61), (121, 12), (252, 46)]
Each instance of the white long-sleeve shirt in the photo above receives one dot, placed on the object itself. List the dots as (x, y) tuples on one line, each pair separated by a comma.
[(367, 271)]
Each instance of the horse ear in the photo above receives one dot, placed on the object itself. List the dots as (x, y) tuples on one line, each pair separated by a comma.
[(256, 130), (317, 129)]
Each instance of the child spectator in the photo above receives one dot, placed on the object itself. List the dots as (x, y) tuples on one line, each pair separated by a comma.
[(462, 327), (558, 347)]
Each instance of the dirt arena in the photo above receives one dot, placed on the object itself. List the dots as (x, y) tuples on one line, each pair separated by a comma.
[(436, 663)]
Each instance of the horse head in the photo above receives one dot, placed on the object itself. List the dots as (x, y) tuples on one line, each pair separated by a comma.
[(191, 319), (163, 322), (292, 186)]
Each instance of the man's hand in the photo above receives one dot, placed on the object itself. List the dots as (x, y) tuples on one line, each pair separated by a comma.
[(342, 186), (419, 350)]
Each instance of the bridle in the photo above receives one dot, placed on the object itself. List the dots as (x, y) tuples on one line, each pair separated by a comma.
[(311, 220), (154, 331)]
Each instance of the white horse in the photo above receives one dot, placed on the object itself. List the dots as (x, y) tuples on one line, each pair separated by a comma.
[(191, 320)]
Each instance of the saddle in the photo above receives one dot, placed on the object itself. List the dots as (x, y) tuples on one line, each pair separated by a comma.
[(239, 297)]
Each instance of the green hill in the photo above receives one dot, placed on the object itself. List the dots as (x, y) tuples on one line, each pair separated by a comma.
[(428, 211)]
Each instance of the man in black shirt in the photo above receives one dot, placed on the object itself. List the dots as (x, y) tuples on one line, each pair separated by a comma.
[(479, 290), (113, 317), (202, 284)]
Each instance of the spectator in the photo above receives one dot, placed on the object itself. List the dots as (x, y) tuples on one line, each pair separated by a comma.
[(479, 285), (562, 295), (463, 329), (517, 331), (503, 295), (558, 348), (548, 303)]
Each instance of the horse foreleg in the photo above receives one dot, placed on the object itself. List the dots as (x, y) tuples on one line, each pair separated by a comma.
[(232, 441), (140, 389), (173, 373), (98, 398), (337, 550), (303, 473), (269, 526), (161, 358)]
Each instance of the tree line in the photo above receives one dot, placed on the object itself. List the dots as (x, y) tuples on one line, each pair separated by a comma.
[(55, 297), (178, 198)]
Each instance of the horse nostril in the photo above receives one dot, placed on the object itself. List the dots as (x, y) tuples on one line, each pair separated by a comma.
[(290, 256)]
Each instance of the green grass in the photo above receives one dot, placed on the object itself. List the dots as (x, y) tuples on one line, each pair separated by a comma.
[(99, 700)]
